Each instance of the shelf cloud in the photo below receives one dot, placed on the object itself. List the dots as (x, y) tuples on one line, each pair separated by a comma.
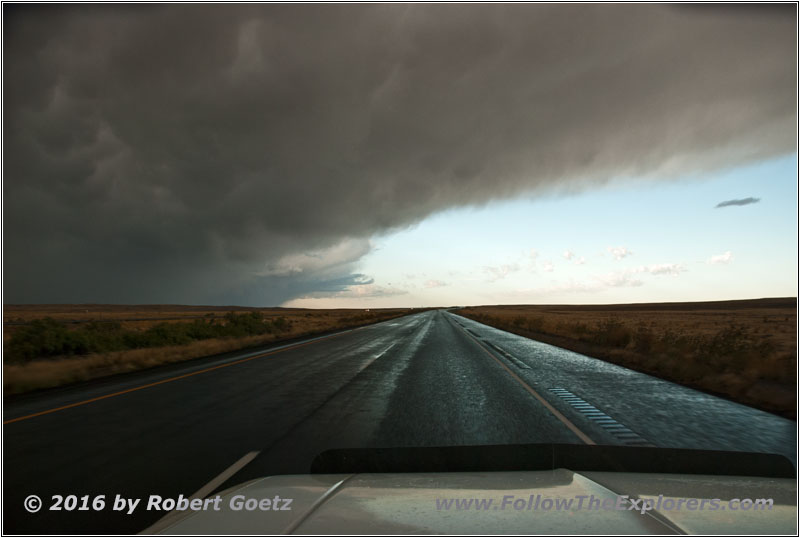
[(247, 153)]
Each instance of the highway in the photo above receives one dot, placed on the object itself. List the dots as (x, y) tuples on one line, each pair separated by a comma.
[(428, 379)]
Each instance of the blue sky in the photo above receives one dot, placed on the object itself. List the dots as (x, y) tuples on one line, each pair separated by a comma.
[(631, 241)]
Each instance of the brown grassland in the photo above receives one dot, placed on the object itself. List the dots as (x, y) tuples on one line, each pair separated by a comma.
[(743, 350), (56, 371)]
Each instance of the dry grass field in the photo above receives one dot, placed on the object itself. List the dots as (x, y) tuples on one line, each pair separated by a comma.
[(37, 372), (742, 350)]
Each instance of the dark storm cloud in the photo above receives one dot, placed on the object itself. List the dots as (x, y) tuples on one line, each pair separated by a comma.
[(742, 201), (220, 153)]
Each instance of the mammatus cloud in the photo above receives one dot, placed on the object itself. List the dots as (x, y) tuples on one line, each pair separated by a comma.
[(219, 153), (718, 259), (619, 252), (742, 201)]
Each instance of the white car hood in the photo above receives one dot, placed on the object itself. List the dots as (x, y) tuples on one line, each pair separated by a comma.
[(405, 503)]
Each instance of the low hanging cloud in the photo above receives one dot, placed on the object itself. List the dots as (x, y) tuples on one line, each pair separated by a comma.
[(359, 291), (329, 259), (432, 283), (220, 153), (742, 201)]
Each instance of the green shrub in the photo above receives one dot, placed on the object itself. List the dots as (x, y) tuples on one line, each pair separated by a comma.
[(46, 337)]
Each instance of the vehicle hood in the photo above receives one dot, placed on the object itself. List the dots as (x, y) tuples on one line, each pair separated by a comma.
[(406, 503)]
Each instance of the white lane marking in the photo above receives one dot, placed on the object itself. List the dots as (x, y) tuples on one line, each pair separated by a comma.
[(384, 351), (620, 431), (373, 359), (201, 493)]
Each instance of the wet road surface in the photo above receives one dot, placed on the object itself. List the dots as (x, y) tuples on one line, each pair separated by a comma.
[(429, 379)]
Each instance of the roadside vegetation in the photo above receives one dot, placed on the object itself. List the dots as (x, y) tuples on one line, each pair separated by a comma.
[(47, 337), (67, 346), (743, 350)]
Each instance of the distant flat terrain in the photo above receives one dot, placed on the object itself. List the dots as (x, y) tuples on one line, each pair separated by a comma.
[(144, 316), (21, 313), (739, 304)]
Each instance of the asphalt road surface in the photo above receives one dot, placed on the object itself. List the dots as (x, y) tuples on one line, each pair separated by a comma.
[(428, 379)]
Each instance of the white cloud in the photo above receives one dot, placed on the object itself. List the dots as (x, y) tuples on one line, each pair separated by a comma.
[(569, 255), (617, 279), (547, 266), (434, 283), (673, 269), (597, 283), (717, 259), (533, 254), (500, 272), (619, 252)]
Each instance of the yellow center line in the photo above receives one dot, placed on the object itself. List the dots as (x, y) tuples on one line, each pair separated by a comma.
[(556, 413), (126, 391)]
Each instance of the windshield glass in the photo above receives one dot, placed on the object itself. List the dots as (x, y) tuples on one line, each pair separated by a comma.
[(239, 236)]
